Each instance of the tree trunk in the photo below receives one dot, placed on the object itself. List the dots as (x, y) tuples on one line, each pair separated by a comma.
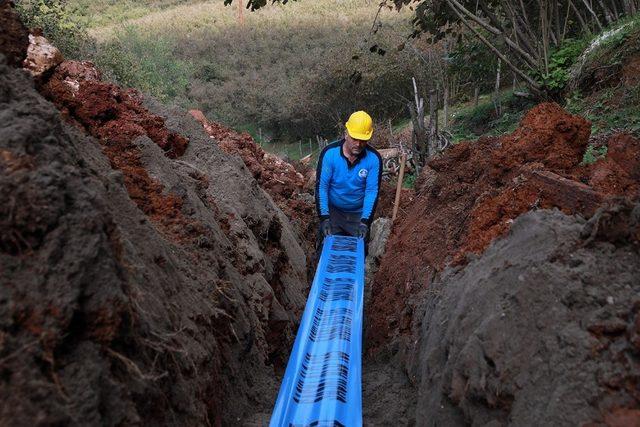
[(419, 134), (616, 14), (240, 12), (556, 18), (607, 12), (533, 85), (583, 23), (476, 93), (496, 94), (445, 106), (433, 122), (593, 14), (544, 29)]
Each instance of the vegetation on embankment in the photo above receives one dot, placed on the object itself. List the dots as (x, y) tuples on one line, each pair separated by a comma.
[(600, 80)]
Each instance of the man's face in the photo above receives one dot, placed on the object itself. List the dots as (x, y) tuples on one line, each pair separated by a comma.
[(354, 146)]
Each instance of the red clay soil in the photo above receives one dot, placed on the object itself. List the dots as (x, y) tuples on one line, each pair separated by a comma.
[(278, 178), (105, 110), (116, 117), (471, 194), (387, 197)]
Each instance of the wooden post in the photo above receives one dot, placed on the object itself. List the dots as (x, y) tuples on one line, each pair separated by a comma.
[(240, 12), (300, 147), (396, 203)]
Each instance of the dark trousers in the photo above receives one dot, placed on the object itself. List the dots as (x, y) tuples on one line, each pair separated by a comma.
[(342, 224)]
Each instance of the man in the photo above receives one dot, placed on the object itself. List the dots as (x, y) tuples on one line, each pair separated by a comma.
[(348, 181)]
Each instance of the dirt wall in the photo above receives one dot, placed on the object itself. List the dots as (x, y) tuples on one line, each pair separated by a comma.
[(137, 289), (542, 329), (471, 195)]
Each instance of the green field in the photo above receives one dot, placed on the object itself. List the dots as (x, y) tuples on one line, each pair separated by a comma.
[(293, 70)]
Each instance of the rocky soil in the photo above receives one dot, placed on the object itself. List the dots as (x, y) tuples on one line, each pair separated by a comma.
[(290, 187)]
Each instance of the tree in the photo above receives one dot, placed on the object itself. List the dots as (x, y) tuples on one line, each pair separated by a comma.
[(521, 33)]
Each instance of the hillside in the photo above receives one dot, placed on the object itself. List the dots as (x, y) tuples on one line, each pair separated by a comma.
[(301, 60)]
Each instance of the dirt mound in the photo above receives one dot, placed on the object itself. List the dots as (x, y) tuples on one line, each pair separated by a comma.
[(106, 111), (276, 176), (117, 117), (14, 37), (280, 179), (470, 195), (137, 288), (542, 329)]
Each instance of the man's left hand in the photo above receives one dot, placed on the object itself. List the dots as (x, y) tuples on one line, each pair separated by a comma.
[(363, 229)]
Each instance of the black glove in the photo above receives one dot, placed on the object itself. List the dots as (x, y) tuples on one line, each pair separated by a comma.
[(363, 229), (325, 227)]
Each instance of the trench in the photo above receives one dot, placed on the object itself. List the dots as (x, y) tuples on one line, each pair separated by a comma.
[(185, 251)]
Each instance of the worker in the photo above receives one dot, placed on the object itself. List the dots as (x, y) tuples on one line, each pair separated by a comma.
[(348, 182)]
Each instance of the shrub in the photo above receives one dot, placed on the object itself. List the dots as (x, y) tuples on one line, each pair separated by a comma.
[(560, 62), (146, 62), (593, 153), (60, 23)]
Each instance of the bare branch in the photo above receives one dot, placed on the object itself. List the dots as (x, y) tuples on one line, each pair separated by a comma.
[(532, 83), (528, 59)]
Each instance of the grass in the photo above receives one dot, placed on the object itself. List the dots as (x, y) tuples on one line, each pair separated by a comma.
[(103, 13), (470, 122), (294, 70), (609, 103), (592, 154), (610, 109)]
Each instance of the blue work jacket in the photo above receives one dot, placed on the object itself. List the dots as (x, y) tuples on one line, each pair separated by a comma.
[(348, 187)]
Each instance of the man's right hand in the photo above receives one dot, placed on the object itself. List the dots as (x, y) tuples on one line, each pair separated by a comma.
[(325, 227)]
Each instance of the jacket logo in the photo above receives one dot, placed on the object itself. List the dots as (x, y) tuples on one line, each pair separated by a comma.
[(362, 173)]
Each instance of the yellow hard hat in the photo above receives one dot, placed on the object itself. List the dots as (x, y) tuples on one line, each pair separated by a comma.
[(360, 126)]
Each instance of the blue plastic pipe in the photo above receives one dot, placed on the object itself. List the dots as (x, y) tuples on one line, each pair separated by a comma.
[(322, 384)]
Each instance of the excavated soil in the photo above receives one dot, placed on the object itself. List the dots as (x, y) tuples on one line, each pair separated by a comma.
[(472, 193), (387, 197), (146, 280), (117, 117), (286, 184), (542, 329)]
